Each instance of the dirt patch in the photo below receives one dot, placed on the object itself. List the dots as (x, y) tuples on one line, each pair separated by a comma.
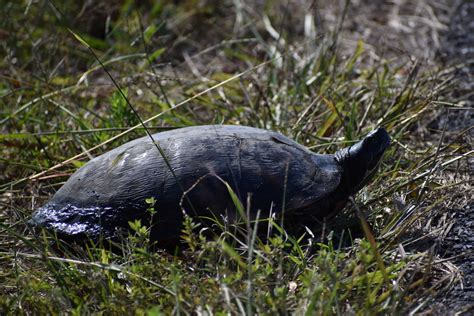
[(458, 51)]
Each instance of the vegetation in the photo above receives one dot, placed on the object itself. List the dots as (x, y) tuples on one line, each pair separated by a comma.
[(76, 81)]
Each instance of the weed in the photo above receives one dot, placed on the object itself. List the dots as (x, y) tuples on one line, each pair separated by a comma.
[(204, 62)]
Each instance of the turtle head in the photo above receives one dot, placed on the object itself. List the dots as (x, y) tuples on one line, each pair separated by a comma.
[(361, 160)]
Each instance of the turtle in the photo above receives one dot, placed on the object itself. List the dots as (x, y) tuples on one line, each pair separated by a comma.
[(200, 171)]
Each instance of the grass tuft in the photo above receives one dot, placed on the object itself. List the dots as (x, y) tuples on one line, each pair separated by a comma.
[(78, 80)]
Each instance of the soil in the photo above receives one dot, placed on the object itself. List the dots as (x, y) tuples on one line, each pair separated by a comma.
[(458, 50)]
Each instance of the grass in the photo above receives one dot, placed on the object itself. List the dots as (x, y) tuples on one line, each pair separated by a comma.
[(203, 63)]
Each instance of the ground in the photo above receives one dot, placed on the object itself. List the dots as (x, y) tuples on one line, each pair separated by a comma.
[(445, 35), (321, 72)]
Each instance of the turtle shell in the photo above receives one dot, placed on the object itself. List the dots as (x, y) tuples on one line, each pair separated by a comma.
[(266, 170)]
